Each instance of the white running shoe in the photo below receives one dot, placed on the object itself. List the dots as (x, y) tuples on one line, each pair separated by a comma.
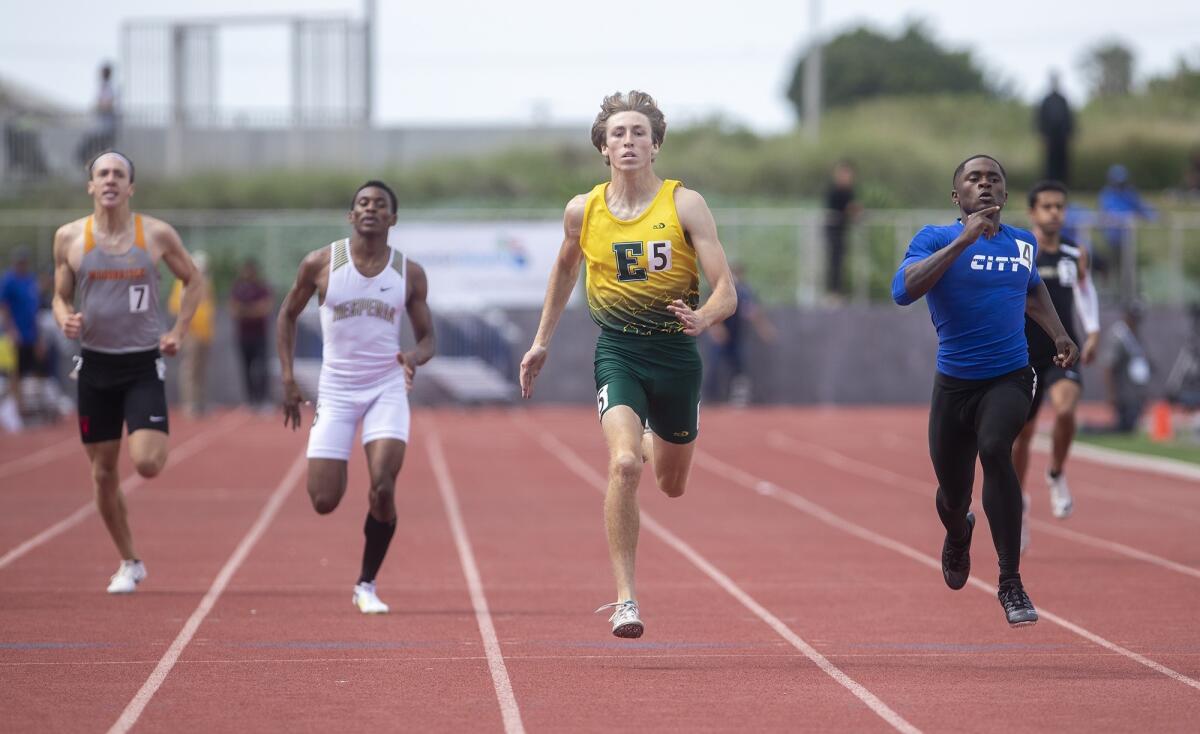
[(366, 600), (626, 620), (1024, 522), (1061, 502), (127, 577)]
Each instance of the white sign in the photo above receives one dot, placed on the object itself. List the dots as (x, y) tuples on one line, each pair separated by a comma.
[(472, 265)]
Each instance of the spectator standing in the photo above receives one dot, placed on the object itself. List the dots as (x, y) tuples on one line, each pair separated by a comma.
[(193, 353), (251, 302), (840, 210), (1127, 370), (103, 135), (19, 298), (727, 358), (1120, 207), (1056, 125), (10, 416)]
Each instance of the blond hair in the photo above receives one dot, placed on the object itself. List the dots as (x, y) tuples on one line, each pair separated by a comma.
[(634, 101)]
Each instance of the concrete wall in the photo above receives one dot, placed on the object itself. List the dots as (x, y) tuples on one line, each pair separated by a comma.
[(854, 355), (161, 152)]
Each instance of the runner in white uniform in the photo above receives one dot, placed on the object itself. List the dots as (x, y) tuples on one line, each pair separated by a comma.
[(361, 379), (364, 288)]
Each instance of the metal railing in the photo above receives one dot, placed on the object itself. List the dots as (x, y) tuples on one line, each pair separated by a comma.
[(35, 148), (782, 250)]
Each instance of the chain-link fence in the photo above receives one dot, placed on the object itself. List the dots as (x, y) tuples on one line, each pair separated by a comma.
[(783, 251)]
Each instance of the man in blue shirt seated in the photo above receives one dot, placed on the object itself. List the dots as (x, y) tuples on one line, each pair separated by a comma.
[(980, 280)]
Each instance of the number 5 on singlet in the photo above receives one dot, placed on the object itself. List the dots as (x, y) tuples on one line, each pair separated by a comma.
[(660, 256), (139, 298)]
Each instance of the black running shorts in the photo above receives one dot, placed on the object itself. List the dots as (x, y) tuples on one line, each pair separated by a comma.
[(116, 389), (1048, 374)]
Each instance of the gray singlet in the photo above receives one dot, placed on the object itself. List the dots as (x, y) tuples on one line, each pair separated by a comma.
[(118, 296)]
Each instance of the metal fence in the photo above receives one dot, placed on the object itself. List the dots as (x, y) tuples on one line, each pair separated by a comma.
[(782, 250), (37, 148)]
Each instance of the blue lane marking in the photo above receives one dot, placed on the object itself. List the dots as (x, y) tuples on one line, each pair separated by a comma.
[(53, 645), (964, 647), (332, 645), (630, 644)]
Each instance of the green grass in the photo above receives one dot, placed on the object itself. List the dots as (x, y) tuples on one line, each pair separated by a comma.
[(904, 149), (1140, 444)]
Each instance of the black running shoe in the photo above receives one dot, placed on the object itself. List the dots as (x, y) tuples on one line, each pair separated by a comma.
[(1017, 607), (956, 557)]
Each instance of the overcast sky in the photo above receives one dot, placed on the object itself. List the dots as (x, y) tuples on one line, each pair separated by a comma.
[(464, 62)]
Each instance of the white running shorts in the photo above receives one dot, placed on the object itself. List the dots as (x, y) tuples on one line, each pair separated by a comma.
[(383, 410)]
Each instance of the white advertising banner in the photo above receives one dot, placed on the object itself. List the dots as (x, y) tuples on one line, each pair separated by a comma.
[(473, 265)]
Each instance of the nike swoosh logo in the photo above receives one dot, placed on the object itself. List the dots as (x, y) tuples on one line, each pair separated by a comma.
[(381, 290), (157, 418)]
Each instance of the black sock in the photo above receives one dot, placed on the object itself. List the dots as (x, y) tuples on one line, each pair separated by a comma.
[(379, 537), (954, 520), (1054, 474), (1009, 578)]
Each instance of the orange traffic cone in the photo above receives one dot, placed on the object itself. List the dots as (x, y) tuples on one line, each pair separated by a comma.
[(1160, 422)]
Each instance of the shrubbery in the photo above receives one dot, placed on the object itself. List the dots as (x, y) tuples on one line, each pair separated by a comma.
[(904, 149)]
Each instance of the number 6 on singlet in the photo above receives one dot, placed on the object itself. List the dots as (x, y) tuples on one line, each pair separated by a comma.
[(139, 298)]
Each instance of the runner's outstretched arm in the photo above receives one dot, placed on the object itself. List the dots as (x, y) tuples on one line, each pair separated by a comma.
[(421, 319), (563, 276), (285, 332)]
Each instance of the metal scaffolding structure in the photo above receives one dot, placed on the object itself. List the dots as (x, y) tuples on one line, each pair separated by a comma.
[(172, 71)]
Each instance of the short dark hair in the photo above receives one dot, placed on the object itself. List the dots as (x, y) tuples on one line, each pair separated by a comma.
[(1046, 185), (92, 163), (958, 171), (374, 183)]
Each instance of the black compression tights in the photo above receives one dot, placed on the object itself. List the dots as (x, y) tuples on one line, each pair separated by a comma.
[(980, 418)]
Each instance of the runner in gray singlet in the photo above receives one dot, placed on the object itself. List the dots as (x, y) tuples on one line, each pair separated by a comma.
[(118, 297), (110, 260)]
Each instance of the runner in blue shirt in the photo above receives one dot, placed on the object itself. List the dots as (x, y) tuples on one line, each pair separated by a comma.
[(980, 280)]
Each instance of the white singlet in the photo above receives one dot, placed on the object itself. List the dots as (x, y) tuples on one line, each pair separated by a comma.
[(361, 320)]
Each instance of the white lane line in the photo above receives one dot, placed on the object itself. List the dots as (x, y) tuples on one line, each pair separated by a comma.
[(1041, 444), (509, 711), (128, 485), (1126, 460), (415, 660), (39, 457), (769, 489), (851, 465), (576, 464), (1114, 547), (140, 699)]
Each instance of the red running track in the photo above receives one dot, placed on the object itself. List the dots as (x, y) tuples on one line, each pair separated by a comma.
[(793, 588)]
